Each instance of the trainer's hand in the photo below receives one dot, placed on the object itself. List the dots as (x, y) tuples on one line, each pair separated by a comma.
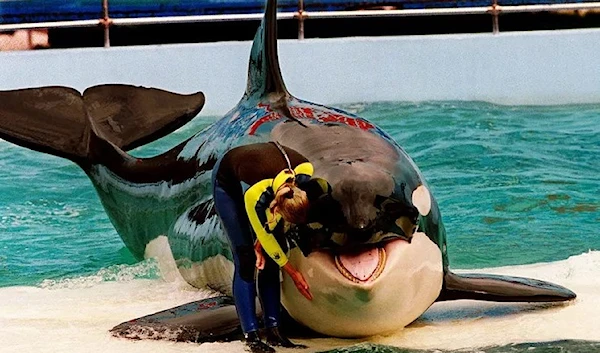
[(299, 280), (260, 258)]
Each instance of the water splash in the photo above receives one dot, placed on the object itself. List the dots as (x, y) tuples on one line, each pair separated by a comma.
[(147, 269)]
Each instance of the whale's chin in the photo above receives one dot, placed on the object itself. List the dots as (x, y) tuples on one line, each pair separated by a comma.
[(375, 291)]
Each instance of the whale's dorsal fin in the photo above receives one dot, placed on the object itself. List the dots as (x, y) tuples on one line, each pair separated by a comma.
[(264, 75), (501, 289)]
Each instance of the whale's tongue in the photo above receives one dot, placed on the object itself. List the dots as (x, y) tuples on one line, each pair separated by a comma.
[(361, 266)]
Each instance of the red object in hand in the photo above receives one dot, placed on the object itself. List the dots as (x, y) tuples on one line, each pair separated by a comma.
[(299, 280)]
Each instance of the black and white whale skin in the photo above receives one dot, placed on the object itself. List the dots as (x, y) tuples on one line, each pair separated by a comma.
[(388, 262)]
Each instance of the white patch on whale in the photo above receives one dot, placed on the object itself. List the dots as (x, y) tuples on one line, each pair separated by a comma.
[(421, 199)]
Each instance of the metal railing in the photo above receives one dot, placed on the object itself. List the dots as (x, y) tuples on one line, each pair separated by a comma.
[(301, 15)]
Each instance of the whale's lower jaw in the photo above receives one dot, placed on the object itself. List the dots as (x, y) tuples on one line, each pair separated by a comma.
[(410, 282)]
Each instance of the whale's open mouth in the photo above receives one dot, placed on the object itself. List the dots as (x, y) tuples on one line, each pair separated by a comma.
[(361, 266)]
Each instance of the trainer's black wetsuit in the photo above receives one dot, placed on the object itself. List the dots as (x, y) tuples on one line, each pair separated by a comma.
[(244, 181)]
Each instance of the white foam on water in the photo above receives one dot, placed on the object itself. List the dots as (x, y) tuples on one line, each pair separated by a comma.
[(77, 316)]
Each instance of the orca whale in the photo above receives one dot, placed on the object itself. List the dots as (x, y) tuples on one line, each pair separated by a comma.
[(385, 261)]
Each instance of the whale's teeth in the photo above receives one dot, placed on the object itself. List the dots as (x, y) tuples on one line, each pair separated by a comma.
[(362, 266)]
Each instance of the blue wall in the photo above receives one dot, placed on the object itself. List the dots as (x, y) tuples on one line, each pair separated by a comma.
[(18, 11)]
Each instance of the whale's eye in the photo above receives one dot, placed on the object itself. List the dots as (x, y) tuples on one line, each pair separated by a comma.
[(407, 226), (396, 217), (421, 199)]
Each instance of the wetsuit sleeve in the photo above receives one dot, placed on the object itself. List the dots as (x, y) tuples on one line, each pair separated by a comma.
[(256, 207)]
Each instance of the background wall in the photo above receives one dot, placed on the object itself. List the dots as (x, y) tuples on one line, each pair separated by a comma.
[(546, 67)]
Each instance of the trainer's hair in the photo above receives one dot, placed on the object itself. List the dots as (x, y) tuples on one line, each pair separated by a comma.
[(291, 202)]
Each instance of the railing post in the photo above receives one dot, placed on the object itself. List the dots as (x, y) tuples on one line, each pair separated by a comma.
[(495, 11), (106, 22), (30, 39), (300, 19)]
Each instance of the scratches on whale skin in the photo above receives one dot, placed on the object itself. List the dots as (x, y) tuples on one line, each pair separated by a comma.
[(350, 161), (212, 142), (253, 121), (327, 117)]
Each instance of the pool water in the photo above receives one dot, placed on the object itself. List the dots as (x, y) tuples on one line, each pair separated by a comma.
[(518, 188)]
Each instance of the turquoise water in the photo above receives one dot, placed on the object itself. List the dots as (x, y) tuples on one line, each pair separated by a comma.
[(516, 185)]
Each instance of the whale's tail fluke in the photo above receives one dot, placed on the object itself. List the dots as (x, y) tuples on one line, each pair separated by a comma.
[(501, 289), (65, 123)]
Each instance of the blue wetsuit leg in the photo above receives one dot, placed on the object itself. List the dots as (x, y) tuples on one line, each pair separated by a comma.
[(238, 231), (269, 290)]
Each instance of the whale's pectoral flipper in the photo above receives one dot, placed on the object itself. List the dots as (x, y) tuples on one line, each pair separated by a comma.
[(212, 319), (60, 120), (501, 289)]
